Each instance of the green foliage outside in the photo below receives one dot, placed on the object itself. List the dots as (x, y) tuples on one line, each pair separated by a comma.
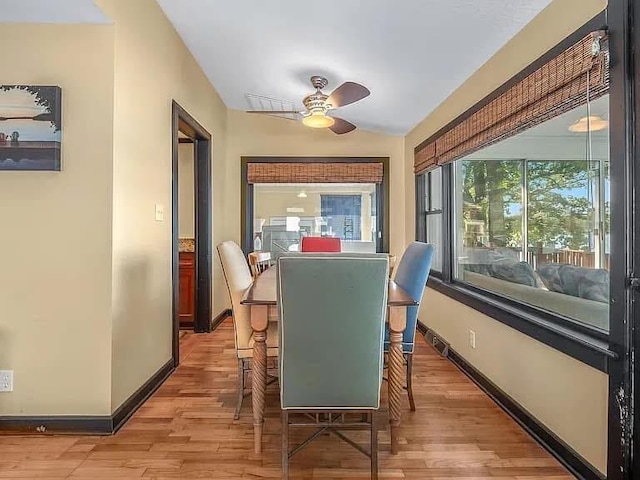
[(560, 215)]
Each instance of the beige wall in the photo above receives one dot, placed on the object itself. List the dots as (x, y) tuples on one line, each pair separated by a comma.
[(566, 395), (55, 251), (186, 197), (256, 135), (152, 68), (85, 308)]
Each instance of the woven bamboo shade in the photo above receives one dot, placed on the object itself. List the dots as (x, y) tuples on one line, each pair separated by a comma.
[(360, 172), (558, 86)]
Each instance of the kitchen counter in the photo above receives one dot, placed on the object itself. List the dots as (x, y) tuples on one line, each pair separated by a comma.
[(186, 245)]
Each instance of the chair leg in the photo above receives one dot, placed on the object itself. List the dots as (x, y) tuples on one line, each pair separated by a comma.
[(412, 403), (285, 445), (374, 446), (240, 392)]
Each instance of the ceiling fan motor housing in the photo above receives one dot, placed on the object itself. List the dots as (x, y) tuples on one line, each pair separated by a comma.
[(316, 102), (319, 82)]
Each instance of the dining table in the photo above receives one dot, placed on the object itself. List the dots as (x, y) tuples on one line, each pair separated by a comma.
[(262, 295)]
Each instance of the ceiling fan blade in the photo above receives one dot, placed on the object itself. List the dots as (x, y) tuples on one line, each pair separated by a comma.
[(274, 112), (347, 93), (341, 126)]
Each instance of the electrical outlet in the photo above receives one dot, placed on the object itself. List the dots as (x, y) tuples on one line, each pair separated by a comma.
[(6, 380), (472, 339)]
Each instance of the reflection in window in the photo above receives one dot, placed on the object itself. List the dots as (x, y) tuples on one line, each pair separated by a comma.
[(492, 204), (532, 217), (283, 213), (343, 215)]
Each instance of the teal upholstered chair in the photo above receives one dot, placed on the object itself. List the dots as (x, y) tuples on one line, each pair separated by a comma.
[(332, 311), (412, 275)]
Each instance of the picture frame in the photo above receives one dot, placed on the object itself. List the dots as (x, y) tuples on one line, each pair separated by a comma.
[(30, 127)]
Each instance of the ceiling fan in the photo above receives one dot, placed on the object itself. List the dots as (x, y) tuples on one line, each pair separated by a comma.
[(318, 104)]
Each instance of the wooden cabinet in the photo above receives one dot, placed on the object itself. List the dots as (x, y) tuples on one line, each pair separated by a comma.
[(187, 283)]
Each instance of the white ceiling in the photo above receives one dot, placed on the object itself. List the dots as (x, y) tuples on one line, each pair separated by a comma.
[(411, 54), (51, 11)]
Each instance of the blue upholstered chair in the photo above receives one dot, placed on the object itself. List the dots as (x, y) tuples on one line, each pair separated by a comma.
[(412, 275), (332, 311)]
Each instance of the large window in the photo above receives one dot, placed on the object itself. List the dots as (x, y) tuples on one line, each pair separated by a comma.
[(530, 217), (285, 212)]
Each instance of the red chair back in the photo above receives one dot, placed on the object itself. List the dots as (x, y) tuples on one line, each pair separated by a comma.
[(321, 244)]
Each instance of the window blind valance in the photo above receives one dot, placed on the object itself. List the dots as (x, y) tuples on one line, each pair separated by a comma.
[(360, 172), (563, 83)]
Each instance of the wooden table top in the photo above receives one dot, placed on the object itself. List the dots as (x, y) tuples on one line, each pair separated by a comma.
[(263, 292)]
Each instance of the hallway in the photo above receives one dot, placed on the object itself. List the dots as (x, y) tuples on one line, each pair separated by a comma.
[(186, 430)]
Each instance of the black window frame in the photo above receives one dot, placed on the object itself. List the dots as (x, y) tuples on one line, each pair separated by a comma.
[(586, 344), (424, 210), (382, 195)]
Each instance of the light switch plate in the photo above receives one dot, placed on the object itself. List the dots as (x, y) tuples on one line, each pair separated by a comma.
[(6, 380), (159, 212)]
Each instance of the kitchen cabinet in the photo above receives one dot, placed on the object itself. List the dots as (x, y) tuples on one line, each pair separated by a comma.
[(187, 284)]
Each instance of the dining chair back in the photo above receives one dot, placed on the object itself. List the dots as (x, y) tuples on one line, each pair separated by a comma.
[(238, 279), (332, 310), (412, 274), (392, 264), (259, 262), (321, 244)]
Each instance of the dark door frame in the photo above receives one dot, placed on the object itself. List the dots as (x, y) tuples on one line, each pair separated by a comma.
[(185, 123), (247, 195), (623, 424)]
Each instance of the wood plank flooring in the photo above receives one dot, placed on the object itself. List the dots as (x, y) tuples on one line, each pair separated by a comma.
[(186, 431)]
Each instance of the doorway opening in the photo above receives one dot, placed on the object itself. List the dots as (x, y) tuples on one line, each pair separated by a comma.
[(191, 226)]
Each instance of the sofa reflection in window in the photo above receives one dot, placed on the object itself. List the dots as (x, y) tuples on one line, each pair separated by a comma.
[(580, 293)]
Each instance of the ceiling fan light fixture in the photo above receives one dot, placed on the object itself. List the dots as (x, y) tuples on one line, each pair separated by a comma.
[(317, 104), (583, 125), (318, 120)]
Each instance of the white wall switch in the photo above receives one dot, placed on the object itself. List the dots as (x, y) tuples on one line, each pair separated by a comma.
[(6, 380), (159, 212), (472, 339)]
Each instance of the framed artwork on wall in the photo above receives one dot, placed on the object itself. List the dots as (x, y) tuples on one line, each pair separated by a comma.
[(30, 127)]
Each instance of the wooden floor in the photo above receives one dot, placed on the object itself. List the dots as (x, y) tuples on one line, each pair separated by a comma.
[(186, 430)]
